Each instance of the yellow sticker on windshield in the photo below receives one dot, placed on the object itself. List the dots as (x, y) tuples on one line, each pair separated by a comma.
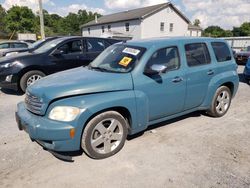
[(125, 61)]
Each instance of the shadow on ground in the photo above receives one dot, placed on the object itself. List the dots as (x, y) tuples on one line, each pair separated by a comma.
[(68, 156)]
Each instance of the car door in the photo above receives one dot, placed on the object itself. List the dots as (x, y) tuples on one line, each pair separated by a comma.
[(199, 72), (165, 91), (67, 55), (94, 47)]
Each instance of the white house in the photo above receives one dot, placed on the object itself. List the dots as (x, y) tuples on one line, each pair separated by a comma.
[(148, 22)]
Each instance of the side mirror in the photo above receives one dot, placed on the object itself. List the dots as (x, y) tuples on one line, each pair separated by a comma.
[(155, 69), (58, 52)]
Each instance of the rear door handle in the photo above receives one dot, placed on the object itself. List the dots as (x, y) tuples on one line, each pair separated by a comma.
[(177, 79), (210, 72)]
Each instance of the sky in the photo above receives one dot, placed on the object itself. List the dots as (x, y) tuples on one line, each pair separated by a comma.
[(224, 13)]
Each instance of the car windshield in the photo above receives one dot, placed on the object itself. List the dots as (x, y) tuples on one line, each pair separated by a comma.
[(36, 44), (48, 46), (120, 58)]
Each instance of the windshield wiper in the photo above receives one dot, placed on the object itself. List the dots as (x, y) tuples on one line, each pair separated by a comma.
[(96, 68), (100, 69)]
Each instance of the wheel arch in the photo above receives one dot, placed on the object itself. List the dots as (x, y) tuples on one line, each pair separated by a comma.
[(27, 69), (230, 86), (120, 109)]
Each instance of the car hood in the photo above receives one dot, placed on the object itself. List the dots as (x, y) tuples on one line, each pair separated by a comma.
[(18, 57), (79, 81)]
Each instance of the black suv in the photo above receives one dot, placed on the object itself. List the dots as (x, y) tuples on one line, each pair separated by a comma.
[(21, 70)]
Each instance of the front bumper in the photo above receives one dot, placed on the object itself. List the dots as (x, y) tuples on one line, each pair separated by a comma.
[(12, 84), (52, 135)]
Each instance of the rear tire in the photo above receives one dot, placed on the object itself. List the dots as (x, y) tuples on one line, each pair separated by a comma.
[(104, 135), (221, 102), (30, 78)]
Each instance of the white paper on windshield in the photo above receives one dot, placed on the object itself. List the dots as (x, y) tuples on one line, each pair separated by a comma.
[(131, 51)]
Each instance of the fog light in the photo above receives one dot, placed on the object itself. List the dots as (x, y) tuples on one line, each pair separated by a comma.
[(72, 133), (8, 78)]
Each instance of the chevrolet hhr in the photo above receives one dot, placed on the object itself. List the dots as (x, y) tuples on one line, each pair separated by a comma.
[(128, 87)]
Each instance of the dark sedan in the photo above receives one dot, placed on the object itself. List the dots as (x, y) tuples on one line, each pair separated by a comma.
[(242, 57), (247, 71), (22, 70)]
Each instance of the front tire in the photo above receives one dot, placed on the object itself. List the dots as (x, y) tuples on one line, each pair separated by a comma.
[(221, 102), (30, 78), (104, 135)]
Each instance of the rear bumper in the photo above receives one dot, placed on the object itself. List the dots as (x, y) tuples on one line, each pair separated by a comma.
[(50, 134)]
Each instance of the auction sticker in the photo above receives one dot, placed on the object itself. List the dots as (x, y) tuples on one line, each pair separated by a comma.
[(131, 51), (125, 61)]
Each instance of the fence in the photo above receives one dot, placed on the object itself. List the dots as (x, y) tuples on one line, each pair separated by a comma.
[(238, 43)]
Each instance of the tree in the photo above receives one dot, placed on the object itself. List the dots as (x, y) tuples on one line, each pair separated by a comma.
[(2, 17), (245, 29), (20, 19), (197, 22)]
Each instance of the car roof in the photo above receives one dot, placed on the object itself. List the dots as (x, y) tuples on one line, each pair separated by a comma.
[(148, 43), (83, 37), (14, 41)]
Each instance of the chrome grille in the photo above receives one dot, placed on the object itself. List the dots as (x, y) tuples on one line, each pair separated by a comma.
[(33, 104)]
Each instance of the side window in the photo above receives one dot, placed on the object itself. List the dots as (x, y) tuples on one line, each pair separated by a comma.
[(221, 51), (4, 45), (166, 56), (95, 45), (71, 47), (20, 45), (197, 54)]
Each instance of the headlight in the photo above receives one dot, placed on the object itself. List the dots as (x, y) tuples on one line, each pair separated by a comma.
[(64, 113), (8, 65)]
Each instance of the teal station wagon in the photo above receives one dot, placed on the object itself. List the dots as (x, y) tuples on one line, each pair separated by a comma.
[(127, 88)]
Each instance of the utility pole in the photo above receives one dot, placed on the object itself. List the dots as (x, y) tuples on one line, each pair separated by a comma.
[(41, 19)]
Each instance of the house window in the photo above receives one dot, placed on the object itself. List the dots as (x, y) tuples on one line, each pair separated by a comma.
[(109, 27), (127, 27), (103, 29), (89, 31), (162, 26), (171, 27)]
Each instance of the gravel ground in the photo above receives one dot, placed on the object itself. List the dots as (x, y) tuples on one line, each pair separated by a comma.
[(191, 151)]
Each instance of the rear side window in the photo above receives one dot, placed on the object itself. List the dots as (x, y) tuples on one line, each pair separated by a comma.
[(20, 45), (197, 54), (95, 45), (221, 51)]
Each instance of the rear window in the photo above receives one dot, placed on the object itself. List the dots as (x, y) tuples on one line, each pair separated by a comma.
[(197, 54), (221, 51)]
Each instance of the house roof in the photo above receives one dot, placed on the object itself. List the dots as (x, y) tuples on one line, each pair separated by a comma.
[(194, 27), (134, 14)]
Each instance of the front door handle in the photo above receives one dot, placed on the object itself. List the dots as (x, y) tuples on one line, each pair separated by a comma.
[(210, 72), (177, 79)]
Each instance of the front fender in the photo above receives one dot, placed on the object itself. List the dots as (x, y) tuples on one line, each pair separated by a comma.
[(97, 102), (219, 80)]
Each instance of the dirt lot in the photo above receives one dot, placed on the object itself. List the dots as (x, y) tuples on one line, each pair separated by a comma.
[(191, 151)]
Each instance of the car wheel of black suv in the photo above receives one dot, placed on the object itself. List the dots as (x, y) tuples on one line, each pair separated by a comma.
[(221, 102), (104, 135), (30, 78)]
